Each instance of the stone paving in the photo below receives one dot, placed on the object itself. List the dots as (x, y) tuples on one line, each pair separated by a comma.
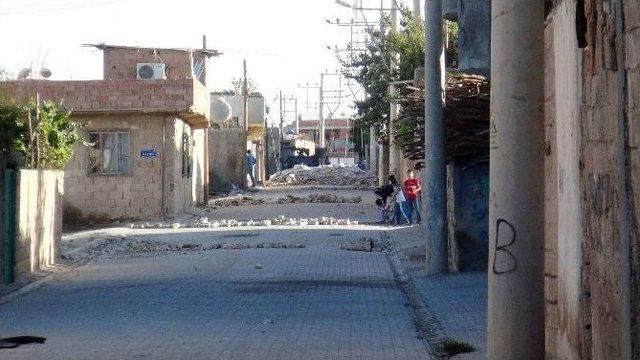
[(459, 301), (227, 304), (249, 301)]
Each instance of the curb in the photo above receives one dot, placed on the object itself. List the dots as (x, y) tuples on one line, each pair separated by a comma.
[(36, 284), (426, 322)]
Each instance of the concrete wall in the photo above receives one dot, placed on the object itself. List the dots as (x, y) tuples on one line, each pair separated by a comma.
[(468, 212), (141, 193), (474, 37), (592, 260), (39, 219), (121, 62), (227, 148), (186, 97), (564, 91), (183, 192), (550, 200)]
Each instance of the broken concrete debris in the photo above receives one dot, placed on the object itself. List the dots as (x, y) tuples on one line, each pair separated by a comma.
[(336, 175), (204, 222), (318, 198)]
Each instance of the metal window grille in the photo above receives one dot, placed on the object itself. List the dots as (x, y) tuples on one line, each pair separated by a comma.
[(110, 153)]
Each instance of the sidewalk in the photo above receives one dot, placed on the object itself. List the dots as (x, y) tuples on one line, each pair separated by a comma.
[(457, 301)]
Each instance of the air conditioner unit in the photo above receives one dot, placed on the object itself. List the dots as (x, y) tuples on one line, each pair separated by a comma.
[(150, 71)]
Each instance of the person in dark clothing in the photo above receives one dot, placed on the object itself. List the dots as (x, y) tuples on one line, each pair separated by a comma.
[(251, 161)]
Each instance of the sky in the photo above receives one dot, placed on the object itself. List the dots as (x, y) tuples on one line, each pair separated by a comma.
[(284, 41)]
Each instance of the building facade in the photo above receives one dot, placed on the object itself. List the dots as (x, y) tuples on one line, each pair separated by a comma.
[(144, 155)]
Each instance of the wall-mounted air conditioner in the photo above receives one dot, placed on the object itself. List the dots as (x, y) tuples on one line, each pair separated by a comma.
[(150, 71)]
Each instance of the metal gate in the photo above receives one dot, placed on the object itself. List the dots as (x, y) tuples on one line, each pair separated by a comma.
[(8, 224)]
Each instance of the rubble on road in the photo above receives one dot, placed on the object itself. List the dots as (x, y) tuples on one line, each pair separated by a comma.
[(117, 245), (319, 199), (335, 175), (316, 198), (238, 200), (204, 222)]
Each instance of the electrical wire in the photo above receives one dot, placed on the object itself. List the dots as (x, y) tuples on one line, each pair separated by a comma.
[(33, 8)]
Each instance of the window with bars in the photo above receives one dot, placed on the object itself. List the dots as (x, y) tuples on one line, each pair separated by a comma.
[(109, 153)]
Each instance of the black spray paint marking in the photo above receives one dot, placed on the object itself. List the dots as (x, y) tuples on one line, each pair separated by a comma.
[(504, 249)]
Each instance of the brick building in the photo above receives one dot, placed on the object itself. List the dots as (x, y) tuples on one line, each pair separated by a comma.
[(338, 134), (147, 155)]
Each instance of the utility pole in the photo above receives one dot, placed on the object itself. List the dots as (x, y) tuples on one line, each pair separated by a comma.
[(516, 300), (245, 115), (435, 169), (395, 155), (245, 93), (417, 11), (320, 111), (297, 121), (281, 117)]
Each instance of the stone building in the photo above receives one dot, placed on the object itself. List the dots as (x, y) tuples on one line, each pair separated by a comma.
[(145, 128), (592, 108), (338, 134)]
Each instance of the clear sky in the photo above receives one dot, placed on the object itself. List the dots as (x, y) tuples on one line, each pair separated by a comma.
[(284, 41)]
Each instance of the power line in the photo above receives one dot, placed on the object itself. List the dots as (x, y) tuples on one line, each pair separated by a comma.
[(32, 8)]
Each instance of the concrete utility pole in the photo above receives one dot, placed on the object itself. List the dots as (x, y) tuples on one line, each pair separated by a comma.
[(516, 180), (395, 154), (373, 149), (417, 8), (435, 169), (295, 108), (245, 94), (281, 117), (321, 110)]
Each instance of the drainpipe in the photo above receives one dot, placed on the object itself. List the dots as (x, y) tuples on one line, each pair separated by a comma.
[(435, 173), (163, 165), (516, 199)]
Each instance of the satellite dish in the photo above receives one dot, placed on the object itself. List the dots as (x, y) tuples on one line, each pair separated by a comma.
[(45, 73), (24, 73), (220, 110)]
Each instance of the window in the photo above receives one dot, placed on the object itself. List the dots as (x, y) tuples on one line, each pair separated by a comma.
[(186, 155), (110, 153)]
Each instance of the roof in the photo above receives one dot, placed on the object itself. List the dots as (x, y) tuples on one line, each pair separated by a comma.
[(207, 52)]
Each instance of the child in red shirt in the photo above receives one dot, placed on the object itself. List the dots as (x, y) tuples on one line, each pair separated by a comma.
[(412, 189)]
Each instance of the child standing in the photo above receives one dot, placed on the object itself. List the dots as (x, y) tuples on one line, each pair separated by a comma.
[(413, 189), (383, 211), (401, 206)]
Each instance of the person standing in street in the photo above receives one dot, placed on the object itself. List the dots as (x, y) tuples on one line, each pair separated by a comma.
[(401, 208), (251, 161), (413, 191)]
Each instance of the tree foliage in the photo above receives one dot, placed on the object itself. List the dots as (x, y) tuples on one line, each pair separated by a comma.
[(372, 70), (43, 136), (14, 130)]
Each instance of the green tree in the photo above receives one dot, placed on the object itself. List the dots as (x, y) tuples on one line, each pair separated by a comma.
[(55, 136), (14, 131), (43, 136), (372, 70)]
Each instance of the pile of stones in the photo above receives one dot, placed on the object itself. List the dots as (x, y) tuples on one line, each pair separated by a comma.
[(204, 222), (335, 175)]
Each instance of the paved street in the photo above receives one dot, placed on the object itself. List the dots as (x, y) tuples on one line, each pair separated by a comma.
[(303, 304), (311, 302)]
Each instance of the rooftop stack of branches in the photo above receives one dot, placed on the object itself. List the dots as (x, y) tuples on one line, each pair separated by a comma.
[(466, 120)]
